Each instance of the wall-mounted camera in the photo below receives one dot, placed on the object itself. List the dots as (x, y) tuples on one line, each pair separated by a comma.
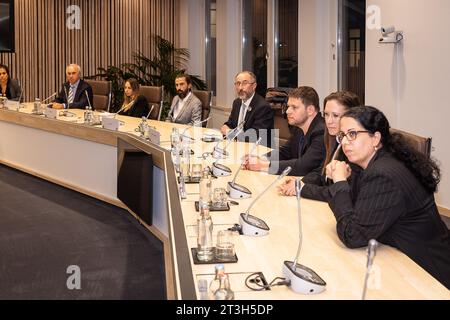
[(389, 35)]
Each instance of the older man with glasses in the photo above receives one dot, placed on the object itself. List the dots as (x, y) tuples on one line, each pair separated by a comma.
[(251, 108)]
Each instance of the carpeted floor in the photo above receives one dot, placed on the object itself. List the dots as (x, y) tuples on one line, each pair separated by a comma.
[(45, 228)]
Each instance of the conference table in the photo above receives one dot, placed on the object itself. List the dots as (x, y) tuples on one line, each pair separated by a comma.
[(82, 157)]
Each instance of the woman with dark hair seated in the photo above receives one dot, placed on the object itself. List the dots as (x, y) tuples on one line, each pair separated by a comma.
[(391, 199), (134, 105), (316, 182), (9, 88)]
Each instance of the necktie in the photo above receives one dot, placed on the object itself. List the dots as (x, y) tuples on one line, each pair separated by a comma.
[(71, 95), (242, 113)]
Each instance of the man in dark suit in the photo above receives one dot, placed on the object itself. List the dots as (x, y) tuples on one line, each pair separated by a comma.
[(73, 93), (252, 108), (305, 150)]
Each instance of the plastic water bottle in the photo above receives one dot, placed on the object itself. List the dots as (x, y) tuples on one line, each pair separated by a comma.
[(205, 188), (186, 160), (205, 247), (215, 283), (37, 105), (224, 292)]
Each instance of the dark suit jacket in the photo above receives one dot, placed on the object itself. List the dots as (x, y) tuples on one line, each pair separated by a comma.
[(386, 202), (139, 109), (13, 90), (316, 184), (80, 101), (259, 117), (312, 153)]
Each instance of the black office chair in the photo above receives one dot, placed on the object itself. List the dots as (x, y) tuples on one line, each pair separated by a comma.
[(421, 144), (205, 97), (278, 98), (102, 94), (155, 96)]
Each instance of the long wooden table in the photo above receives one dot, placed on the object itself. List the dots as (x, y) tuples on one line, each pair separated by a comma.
[(83, 158)]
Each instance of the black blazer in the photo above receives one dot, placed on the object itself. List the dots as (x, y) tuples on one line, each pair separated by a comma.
[(80, 101), (139, 109), (316, 183), (386, 202), (259, 117), (312, 153), (13, 90)]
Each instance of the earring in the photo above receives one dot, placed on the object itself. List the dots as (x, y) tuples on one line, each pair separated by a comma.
[(376, 148)]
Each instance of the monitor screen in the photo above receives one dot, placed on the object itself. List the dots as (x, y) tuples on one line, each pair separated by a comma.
[(6, 25), (135, 180)]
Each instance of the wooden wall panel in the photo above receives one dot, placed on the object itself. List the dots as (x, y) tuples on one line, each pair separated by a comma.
[(111, 30)]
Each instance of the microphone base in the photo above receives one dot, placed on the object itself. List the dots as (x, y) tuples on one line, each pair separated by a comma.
[(219, 153), (253, 226), (219, 170), (238, 192), (303, 280)]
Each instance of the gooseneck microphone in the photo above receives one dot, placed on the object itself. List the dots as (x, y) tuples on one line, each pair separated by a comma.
[(150, 112), (371, 252), (219, 153), (236, 190), (51, 96), (251, 225), (89, 100), (301, 279), (195, 124)]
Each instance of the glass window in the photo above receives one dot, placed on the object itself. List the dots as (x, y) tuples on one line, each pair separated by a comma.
[(352, 46), (287, 44), (254, 42), (211, 45)]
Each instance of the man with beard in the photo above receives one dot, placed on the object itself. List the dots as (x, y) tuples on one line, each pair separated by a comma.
[(186, 107), (251, 108), (305, 150)]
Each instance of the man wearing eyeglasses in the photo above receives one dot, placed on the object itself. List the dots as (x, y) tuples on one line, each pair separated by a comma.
[(305, 150), (251, 108)]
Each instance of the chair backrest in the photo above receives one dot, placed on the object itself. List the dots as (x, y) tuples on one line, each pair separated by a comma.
[(205, 97), (102, 94), (421, 144), (278, 98), (154, 96)]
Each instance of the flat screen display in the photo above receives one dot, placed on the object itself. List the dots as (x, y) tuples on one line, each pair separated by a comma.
[(6, 25), (135, 180)]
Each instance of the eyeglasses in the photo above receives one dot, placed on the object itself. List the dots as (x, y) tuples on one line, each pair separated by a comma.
[(351, 135), (243, 83)]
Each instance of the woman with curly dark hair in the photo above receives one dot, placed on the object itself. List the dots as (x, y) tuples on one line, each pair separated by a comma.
[(391, 198)]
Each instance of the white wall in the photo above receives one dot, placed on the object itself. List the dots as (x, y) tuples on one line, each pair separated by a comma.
[(192, 34), (410, 82), (317, 34)]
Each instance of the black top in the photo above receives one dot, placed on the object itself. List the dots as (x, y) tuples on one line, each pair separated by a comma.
[(316, 183), (386, 202), (13, 90), (304, 160), (80, 100), (139, 109), (259, 117)]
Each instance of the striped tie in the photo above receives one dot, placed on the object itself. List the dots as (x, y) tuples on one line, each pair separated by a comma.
[(71, 95)]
